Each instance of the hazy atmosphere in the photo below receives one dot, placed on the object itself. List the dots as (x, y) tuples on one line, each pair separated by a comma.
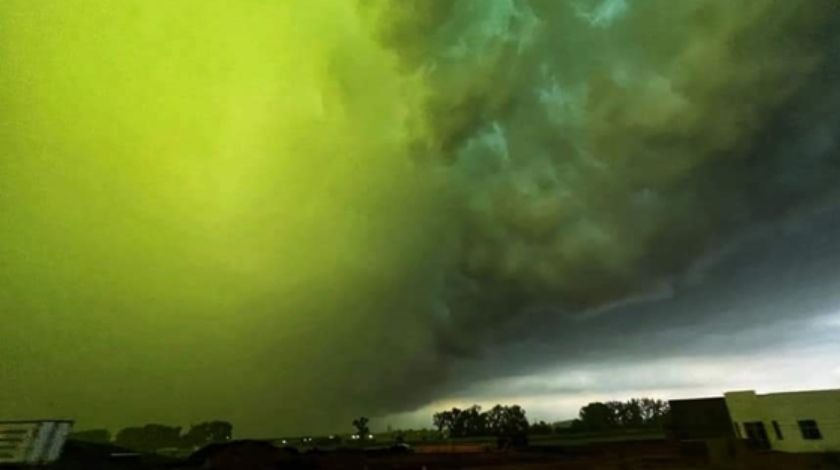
[(289, 214)]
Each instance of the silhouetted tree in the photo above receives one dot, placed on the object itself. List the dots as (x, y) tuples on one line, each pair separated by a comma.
[(206, 433), (512, 428), (442, 421), (598, 416), (540, 428), (461, 423), (495, 419), (474, 421), (654, 412), (514, 421), (470, 422), (456, 426), (632, 414), (577, 425), (149, 438), (361, 425), (101, 436)]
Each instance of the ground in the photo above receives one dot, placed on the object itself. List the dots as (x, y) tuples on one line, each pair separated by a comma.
[(639, 454)]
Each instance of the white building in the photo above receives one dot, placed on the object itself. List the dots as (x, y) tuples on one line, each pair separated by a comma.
[(32, 442), (789, 422)]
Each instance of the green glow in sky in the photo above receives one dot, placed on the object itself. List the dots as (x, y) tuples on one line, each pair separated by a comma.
[(198, 203)]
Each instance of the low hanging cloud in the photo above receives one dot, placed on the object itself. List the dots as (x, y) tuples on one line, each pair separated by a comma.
[(292, 214)]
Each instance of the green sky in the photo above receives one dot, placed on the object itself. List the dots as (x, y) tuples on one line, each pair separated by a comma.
[(199, 207)]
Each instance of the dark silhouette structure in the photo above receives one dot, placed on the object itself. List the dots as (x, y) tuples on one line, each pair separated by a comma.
[(701, 418)]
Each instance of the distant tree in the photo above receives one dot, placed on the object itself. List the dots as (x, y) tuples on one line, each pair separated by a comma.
[(512, 428), (598, 416), (654, 412), (577, 426), (472, 422), (494, 419), (206, 433), (615, 408), (442, 421), (635, 413), (149, 438), (541, 428), (626, 414), (632, 413), (514, 421), (101, 436), (361, 425), (456, 425), (461, 423)]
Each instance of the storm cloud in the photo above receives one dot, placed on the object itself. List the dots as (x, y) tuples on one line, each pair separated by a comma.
[(609, 153), (291, 214)]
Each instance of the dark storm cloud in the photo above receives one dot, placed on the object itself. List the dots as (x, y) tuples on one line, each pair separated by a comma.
[(642, 181), (765, 292), (603, 147)]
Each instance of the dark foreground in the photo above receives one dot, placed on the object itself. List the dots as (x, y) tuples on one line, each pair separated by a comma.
[(637, 455)]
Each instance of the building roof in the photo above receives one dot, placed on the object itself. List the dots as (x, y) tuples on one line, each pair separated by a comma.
[(787, 392), (32, 421)]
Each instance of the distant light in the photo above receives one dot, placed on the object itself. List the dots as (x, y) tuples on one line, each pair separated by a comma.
[(370, 436)]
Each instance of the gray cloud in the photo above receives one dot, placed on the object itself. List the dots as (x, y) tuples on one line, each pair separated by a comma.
[(773, 289), (600, 148)]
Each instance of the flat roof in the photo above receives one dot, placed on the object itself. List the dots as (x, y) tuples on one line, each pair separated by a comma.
[(788, 392), (37, 421), (695, 399)]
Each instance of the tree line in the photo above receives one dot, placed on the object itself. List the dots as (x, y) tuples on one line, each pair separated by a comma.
[(152, 437), (472, 422), (505, 422), (636, 413)]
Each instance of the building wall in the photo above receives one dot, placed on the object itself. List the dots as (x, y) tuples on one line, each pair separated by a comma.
[(700, 418), (15, 441), (32, 442), (787, 409)]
